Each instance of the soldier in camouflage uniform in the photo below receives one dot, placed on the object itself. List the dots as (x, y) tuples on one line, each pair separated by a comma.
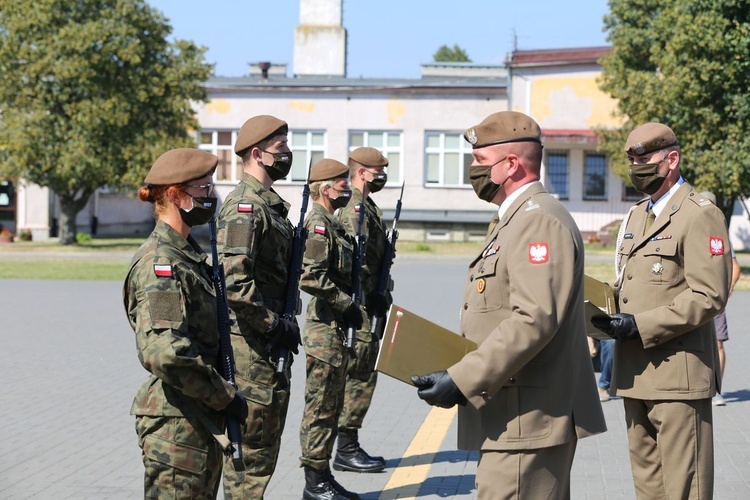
[(367, 171), (171, 305), (254, 239), (327, 277)]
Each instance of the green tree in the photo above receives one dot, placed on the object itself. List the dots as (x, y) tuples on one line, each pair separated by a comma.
[(685, 64), (447, 54), (92, 93)]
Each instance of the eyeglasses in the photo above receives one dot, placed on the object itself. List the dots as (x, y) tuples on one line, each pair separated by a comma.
[(208, 187)]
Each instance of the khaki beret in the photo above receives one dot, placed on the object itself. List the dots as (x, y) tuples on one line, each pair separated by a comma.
[(504, 127), (257, 129), (181, 165), (368, 157), (649, 137), (327, 169)]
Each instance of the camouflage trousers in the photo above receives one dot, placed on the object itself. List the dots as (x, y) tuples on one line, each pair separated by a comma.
[(181, 458), (361, 378), (261, 441), (324, 397)]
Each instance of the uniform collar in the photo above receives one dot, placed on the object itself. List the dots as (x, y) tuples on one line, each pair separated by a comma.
[(268, 195), (662, 202), (189, 246), (505, 205)]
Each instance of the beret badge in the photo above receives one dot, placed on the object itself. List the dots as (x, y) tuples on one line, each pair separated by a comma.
[(639, 149), (471, 136)]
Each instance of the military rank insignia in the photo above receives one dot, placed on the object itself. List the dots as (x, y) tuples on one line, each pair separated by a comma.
[(657, 269), (716, 245), (480, 285), (163, 270), (539, 252)]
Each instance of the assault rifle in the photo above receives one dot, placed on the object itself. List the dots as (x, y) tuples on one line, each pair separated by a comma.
[(376, 321), (293, 276), (359, 259), (226, 355)]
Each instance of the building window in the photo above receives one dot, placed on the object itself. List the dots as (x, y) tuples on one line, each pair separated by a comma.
[(595, 176), (447, 159), (390, 143), (630, 194), (557, 173), (306, 146), (221, 144)]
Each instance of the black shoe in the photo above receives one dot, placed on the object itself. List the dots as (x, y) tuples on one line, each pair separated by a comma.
[(340, 489), (318, 487), (351, 457)]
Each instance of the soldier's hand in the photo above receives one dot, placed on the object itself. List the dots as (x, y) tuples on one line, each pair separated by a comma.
[(619, 326), (438, 389), (376, 304), (288, 334), (237, 408), (353, 316)]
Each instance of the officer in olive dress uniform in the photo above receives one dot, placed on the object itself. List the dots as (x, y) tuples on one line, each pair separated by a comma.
[(367, 169), (674, 275), (528, 392), (254, 239), (171, 306), (327, 278)]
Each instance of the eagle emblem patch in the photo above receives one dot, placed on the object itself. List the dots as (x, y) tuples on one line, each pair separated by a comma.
[(539, 252), (716, 245)]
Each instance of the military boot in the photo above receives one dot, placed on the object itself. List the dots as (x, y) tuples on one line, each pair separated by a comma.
[(351, 457), (340, 489), (318, 486)]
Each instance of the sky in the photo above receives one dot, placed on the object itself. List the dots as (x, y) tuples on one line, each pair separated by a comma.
[(385, 38)]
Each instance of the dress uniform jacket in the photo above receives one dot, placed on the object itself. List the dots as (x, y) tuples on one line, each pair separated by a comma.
[(171, 306), (530, 383), (675, 279), (328, 278), (254, 238)]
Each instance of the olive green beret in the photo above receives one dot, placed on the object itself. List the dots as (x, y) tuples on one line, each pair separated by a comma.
[(503, 127), (327, 169), (181, 165), (368, 157), (649, 137), (257, 129)]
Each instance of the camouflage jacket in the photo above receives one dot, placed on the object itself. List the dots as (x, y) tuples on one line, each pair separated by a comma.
[(171, 305), (327, 277)]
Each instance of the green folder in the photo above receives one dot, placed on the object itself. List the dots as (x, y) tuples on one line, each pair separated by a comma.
[(599, 301)]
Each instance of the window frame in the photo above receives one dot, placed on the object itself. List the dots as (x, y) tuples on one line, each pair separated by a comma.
[(464, 149), (386, 150), (552, 187), (586, 175)]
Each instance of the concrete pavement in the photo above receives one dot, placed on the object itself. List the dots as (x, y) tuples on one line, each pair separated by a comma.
[(69, 371)]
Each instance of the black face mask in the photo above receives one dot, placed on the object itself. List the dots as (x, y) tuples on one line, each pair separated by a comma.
[(282, 164), (377, 182), (204, 208), (344, 195), (645, 177), (481, 180)]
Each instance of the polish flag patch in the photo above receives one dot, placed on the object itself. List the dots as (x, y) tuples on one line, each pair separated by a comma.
[(716, 245), (163, 270), (320, 230), (245, 208), (356, 207), (538, 252)]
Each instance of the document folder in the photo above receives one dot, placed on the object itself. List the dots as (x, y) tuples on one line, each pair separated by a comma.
[(412, 345), (599, 301)]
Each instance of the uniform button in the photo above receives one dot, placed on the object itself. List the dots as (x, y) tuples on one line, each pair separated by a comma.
[(471, 278), (624, 300), (656, 341), (485, 394), (657, 249), (466, 306), (630, 276), (512, 380), (463, 334)]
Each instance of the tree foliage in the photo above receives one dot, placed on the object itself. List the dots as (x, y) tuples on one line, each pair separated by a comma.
[(685, 64), (92, 93), (447, 54)]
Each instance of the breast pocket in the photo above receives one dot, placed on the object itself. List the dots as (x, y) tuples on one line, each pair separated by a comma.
[(486, 293), (661, 262)]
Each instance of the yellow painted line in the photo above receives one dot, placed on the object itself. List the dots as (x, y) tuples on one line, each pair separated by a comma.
[(414, 466)]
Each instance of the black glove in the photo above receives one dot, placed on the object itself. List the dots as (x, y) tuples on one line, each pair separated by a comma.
[(619, 326), (353, 316), (237, 408), (376, 304), (287, 333), (438, 389)]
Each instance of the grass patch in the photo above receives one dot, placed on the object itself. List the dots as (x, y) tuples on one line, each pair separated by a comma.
[(98, 245), (63, 269)]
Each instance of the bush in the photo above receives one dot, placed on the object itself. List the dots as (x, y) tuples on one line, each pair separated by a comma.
[(24, 234), (423, 247), (83, 238)]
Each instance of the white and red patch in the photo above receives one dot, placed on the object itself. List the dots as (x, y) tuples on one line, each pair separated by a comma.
[(246, 208), (539, 252), (163, 270), (320, 230), (716, 245)]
